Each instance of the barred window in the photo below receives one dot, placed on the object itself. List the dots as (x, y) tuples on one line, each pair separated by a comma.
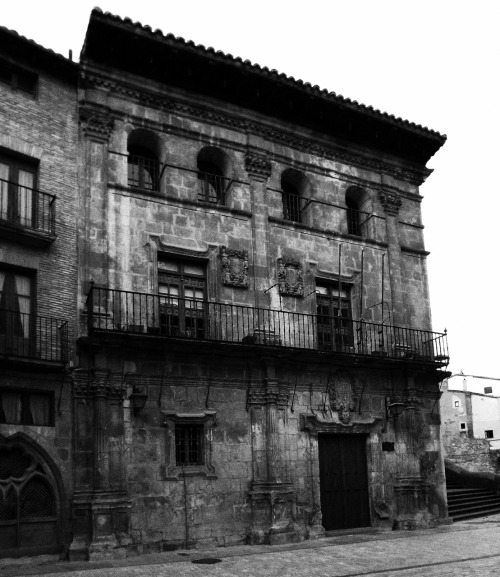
[(189, 444)]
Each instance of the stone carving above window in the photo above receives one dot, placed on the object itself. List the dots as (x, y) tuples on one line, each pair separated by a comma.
[(341, 395), (234, 267), (290, 281)]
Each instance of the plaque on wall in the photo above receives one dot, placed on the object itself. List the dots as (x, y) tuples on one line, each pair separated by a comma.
[(234, 267), (290, 280)]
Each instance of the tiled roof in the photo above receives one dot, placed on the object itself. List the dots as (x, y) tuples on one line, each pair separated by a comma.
[(266, 72), (19, 45)]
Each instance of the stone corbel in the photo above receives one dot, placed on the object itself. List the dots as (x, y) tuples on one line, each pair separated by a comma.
[(390, 201), (97, 127), (258, 166)]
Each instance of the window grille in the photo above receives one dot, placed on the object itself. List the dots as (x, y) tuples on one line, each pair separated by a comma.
[(189, 444), (36, 500)]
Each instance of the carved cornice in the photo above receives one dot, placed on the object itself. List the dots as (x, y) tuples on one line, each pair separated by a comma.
[(269, 394), (234, 267), (257, 166), (415, 176), (97, 127), (97, 383), (390, 201), (312, 424)]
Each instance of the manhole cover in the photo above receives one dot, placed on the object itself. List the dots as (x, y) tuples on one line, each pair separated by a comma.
[(206, 561)]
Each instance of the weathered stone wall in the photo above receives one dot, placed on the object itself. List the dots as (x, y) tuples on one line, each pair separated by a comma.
[(262, 481)]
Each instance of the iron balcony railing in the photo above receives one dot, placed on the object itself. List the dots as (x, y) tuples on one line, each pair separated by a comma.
[(212, 188), (170, 316), (33, 337), (27, 207)]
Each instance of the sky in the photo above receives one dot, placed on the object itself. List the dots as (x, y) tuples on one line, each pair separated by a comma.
[(433, 62)]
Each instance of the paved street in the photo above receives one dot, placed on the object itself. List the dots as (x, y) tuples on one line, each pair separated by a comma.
[(466, 549)]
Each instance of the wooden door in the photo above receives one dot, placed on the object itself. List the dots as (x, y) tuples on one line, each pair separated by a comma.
[(343, 481)]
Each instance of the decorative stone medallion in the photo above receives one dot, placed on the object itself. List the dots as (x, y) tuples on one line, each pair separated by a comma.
[(290, 281), (234, 267), (341, 395)]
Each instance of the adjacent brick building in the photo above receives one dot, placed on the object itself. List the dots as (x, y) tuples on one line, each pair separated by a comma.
[(255, 360), (38, 268)]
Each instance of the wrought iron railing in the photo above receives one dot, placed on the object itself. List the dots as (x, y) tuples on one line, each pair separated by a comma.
[(170, 316), (26, 207), (33, 337), (143, 172), (212, 188)]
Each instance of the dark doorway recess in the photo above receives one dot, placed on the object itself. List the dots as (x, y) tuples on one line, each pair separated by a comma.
[(343, 481)]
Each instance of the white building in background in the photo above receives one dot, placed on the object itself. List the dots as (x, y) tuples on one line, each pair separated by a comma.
[(470, 407)]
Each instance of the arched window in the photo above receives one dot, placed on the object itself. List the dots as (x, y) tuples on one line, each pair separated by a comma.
[(355, 199), (213, 169), (294, 186), (143, 165)]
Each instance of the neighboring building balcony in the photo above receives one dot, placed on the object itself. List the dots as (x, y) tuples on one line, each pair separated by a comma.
[(26, 214), (33, 338), (168, 316)]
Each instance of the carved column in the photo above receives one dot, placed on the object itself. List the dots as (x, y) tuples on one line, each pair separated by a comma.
[(258, 168), (392, 203), (100, 504), (272, 494)]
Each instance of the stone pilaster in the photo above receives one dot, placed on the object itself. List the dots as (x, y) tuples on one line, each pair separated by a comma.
[(272, 495), (94, 260), (392, 203), (100, 503), (258, 168)]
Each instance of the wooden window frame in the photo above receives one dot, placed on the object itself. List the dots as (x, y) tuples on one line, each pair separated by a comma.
[(26, 418)]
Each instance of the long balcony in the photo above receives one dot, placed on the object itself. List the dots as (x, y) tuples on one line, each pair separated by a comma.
[(162, 316), (26, 211), (33, 337)]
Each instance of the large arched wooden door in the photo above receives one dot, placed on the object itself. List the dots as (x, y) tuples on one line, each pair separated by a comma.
[(29, 503)]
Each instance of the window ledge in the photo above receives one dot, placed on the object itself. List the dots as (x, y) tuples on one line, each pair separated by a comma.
[(320, 231), (147, 194), (171, 471)]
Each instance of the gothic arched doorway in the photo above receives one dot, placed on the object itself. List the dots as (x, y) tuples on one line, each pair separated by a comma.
[(29, 502)]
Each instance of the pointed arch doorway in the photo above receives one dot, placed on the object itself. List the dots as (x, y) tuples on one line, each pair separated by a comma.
[(30, 502)]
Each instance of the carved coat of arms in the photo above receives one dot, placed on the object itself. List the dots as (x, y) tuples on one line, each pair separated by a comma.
[(341, 394), (290, 281), (234, 267)]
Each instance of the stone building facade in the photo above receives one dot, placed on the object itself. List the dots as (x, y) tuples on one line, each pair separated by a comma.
[(254, 360), (38, 274), (251, 248)]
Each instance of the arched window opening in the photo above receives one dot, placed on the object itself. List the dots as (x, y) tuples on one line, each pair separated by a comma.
[(355, 200), (294, 187), (353, 218), (213, 168), (143, 165)]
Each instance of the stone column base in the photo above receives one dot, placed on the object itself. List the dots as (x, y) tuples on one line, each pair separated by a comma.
[(273, 511), (101, 526)]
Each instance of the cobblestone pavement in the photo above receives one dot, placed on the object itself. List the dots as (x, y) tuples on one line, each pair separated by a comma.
[(467, 549)]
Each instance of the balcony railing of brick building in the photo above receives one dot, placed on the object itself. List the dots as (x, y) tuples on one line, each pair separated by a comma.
[(117, 311), (27, 208), (33, 337)]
